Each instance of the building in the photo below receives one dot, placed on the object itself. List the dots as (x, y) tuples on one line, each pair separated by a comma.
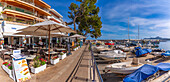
[(17, 14)]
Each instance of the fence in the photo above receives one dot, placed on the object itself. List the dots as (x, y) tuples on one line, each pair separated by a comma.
[(94, 68)]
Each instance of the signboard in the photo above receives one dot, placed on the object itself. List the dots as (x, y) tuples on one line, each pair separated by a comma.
[(21, 69)]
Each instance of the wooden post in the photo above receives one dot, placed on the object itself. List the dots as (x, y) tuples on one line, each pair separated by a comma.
[(49, 45)]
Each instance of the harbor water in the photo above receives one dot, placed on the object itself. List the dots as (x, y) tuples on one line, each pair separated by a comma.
[(164, 45)]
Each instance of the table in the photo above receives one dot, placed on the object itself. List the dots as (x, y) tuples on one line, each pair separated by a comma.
[(32, 51), (8, 53), (2, 49), (29, 58), (51, 53), (61, 49)]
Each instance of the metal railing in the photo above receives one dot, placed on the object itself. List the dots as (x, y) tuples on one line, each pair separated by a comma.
[(19, 9), (94, 68)]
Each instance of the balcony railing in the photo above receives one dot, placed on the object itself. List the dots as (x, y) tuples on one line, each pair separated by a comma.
[(60, 20), (19, 9), (19, 21), (31, 2)]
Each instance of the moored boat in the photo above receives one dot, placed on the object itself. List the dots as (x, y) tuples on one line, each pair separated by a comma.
[(122, 68), (112, 55), (157, 52)]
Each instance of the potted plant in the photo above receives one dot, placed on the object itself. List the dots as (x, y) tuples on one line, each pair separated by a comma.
[(54, 60), (8, 68), (39, 65), (62, 55), (74, 48), (77, 46)]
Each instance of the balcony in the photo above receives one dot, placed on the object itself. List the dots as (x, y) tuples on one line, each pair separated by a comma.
[(19, 9), (21, 13), (28, 5), (55, 18)]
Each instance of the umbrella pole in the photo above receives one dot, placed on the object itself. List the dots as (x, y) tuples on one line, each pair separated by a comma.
[(49, 46)]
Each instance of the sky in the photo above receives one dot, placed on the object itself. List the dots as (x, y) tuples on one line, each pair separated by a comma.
[(152, 16)]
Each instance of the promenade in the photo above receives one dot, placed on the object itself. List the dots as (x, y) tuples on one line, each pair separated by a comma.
[(74, 68)]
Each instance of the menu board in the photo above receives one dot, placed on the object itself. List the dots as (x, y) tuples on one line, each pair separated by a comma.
[(21, 69)]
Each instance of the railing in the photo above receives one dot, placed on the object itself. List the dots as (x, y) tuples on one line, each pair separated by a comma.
[(31, 2), (56, 18), (95, 68), (19, 9)]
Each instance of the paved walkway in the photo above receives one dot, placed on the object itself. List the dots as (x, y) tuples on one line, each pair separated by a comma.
[(74, 68)]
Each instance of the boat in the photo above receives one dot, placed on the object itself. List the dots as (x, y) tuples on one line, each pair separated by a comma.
[(142, 52), (120, 46), (122, 68), (98, 49), (157, 52), (148, 73), (127, 49), (113, 55), (167, 53)]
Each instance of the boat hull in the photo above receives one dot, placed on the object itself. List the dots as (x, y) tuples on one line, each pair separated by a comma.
[(118, 69)]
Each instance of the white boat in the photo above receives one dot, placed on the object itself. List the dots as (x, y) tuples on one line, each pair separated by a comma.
[(113, 55), (100, 48), (122, 68), (157, 52), (126, 49), (120, 46)]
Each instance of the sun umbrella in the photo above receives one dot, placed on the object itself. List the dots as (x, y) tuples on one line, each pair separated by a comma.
[(77, 36), (40, 34), (50, 27)]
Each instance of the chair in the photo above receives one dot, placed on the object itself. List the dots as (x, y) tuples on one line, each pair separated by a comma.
[(4, 56), (26, 52), (42, 53)]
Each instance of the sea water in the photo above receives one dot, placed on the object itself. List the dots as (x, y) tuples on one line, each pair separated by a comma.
[(164, 45)]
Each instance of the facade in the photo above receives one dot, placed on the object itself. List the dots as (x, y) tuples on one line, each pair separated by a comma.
[(17, 14)]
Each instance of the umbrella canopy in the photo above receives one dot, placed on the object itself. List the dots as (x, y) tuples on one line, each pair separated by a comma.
[(40, 34), (50, 27), (77, 36)]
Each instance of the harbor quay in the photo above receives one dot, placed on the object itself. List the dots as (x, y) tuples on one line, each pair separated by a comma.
[(84, 41)]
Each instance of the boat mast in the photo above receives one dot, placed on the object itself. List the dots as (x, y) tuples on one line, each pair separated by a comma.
[(138, 34), (128, 30)]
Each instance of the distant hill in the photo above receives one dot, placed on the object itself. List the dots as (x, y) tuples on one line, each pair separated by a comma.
[(159, 38)]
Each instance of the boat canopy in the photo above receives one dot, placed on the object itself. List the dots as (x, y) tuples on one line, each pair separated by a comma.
[(167, 53), (140, 52), (145, 71), (164, 66), (138, 48), (148, 50)]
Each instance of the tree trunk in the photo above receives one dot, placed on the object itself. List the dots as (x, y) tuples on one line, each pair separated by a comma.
[(75, 23)]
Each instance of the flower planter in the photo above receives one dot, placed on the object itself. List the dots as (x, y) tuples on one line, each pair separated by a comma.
[(62, 56), (75, 48), (38, 69), (54, 61), (10, 72)]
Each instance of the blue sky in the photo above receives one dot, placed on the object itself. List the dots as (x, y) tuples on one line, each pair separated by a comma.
[(153, 17)]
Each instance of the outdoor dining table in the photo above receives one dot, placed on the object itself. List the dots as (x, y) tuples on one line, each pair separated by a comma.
[(32, 51), (60, 49), (36, 48), (29, 58), (51, 53)]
